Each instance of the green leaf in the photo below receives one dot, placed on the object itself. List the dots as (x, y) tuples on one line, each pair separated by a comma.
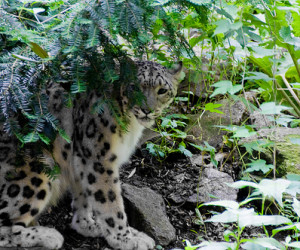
[(64, 135), (259, 165), (258, 76), (24, 58), (295, 244), (44, 138), (223, 26), (271, 108), (260, 52), (296, 206), (243, 184), (37, 49), (262, 220), (212, 107), (31, 137), (223, 203), (274, 188), (295, 226), (242, 132), (224, 87), (262, 243), (259, 145), (286, 34), (232, 215), (199, 147), (182, 149)]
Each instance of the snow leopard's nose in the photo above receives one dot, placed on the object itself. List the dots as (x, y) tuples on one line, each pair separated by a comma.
[(146, 111)]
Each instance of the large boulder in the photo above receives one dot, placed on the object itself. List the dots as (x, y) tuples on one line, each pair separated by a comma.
[(204, 127)]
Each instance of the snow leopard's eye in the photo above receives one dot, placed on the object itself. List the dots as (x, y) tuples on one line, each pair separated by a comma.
[(162, 91)]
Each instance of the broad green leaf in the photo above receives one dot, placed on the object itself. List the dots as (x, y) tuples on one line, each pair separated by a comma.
[(274, 188), (223, 26), (271, 108), (294, 187), (182, 149), (242, 184), (224, 203), (252, 246), (259, 165), (260, 52), (262, 243), (199, 147), (224, 87), (233, 215), (262, 220), (242, 132), (207, 245), (286, 34), (295, 226), (259, 145), (212, 107), (258, 76), (236, 26), (293, 177), (263, 63), (296, 206), (295, 244)]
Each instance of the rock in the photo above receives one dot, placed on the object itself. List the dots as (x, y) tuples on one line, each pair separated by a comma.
[(213, 183), (287, 141), (148, 134), (146, 212), (259, 120), (23, 248), (199, 159), (204, 128)]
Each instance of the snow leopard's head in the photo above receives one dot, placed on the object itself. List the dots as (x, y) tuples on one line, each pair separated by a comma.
[(159, 86)]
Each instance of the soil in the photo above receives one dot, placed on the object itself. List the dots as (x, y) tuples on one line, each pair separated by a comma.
[(174, 177)]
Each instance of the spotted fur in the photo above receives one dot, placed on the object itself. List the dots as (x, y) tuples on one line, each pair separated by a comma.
[(89, 167)]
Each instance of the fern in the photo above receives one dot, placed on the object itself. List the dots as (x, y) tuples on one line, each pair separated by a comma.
[(82, 45)]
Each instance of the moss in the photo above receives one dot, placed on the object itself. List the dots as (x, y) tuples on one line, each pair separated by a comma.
[(289, 155)]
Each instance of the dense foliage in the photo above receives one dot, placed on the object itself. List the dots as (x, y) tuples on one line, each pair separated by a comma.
[(78, 44), (249, 45)]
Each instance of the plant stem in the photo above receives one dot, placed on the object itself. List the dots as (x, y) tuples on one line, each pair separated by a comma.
[(287, 84), (289, 99), (290, 49)]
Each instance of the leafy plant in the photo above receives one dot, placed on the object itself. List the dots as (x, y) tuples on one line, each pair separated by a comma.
[(244, 217)]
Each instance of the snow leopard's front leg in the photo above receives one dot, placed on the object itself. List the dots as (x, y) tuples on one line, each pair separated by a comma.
[(99, 209)]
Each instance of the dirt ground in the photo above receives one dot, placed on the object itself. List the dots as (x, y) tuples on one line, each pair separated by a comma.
[(163, 178)]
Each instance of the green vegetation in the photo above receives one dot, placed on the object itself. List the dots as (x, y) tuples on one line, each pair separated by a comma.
[(227, 47)]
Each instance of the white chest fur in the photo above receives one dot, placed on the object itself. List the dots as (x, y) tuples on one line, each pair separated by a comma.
[(124, 146)]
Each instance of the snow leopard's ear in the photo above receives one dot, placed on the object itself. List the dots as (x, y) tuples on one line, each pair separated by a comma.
[(176, 69)]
